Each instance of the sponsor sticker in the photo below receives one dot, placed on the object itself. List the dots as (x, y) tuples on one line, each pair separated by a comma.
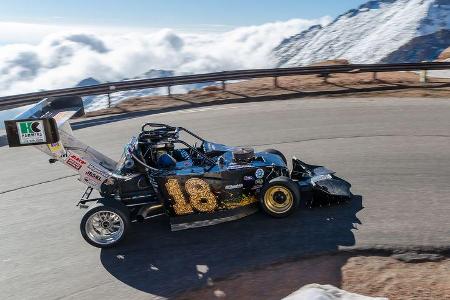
[(249, 178), (75, 161), (184, 154), (99, 170), (234, 186), (259, 181), (235, 166), (55, 147), (94, 175), (31, 132), (256, 187), (259, 173)]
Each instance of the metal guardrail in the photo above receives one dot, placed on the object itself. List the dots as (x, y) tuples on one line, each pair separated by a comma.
[(112, 87)]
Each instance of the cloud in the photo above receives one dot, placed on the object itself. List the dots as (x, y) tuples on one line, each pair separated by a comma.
[(62, 59)]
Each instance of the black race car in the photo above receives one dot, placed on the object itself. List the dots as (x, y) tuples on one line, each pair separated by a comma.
[(195, 184)]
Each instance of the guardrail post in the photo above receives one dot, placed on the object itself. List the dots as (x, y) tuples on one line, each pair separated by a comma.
[(275, 82), (224, 85), (423, 76), (111, 88), (169, 92), (374, 76), (325, 77)]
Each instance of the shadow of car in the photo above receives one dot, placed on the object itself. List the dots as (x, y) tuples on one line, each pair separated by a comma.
[(164, 263)]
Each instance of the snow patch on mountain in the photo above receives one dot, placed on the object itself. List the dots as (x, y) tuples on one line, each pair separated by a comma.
[(367, 34)]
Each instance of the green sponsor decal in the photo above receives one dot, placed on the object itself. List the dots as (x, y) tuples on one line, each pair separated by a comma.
[(31, 132), (29, 127)]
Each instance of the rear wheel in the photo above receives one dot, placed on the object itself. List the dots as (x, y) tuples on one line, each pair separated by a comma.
[(280, 197), (274, 151), (104, 226)]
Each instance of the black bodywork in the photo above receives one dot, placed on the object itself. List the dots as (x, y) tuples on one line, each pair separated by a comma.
[(160, 173)]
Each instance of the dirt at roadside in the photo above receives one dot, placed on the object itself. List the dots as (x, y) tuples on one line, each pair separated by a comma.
[(395, 84), (385, 276), (376, 276)]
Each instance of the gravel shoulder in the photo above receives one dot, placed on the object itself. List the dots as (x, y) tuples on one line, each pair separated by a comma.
[(365, 274)]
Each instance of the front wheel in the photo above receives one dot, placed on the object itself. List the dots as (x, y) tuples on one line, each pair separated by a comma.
[(104, 226), (280, 197)]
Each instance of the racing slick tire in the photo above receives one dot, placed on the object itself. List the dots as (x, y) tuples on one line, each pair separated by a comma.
[(104, 226), (274, 151), (280, 197)]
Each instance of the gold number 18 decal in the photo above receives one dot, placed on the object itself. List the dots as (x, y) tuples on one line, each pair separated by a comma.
[(200, 196)]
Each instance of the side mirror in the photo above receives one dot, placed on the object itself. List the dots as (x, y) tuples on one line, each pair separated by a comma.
[(27, 132)]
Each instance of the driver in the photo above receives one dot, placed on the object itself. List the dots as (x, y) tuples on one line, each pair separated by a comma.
[(169, 159), (166, 161)]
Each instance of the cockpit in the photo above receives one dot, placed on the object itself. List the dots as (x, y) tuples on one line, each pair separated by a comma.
[(159, 147)]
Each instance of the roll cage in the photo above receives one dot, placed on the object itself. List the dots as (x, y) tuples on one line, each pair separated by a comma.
[(153, 132)]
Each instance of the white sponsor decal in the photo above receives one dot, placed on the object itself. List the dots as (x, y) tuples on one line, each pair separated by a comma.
[(31, 132), (94, 175), (235, 166), (234, 186), (259, 173), (99, 170), (75, 161)]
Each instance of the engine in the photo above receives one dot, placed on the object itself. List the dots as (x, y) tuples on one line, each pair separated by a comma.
[(243, 155)]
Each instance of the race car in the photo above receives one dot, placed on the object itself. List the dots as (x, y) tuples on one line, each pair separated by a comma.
[(195, 183)]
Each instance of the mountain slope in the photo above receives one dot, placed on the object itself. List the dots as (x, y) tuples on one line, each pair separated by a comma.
[(368, 34), (426, 47)]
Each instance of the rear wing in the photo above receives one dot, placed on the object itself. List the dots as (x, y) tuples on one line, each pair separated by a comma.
[(39, 124), (46, 127)]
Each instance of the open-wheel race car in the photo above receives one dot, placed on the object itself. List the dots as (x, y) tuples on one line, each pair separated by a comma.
[(195, 184)]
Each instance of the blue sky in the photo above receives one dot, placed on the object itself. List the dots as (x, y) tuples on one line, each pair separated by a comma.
[(168, 13)]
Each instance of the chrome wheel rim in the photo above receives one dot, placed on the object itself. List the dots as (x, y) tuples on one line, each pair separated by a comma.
[(104, 227)]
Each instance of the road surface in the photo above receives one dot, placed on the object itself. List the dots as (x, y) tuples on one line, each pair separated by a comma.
[(395, 152)]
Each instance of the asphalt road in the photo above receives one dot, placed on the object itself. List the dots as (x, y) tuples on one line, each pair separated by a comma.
[(395, 152)]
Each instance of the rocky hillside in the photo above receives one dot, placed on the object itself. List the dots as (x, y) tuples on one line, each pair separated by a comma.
[(378, 31), (445, 55)]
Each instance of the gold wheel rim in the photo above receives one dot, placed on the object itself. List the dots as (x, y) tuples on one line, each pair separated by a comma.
[(278, 199)]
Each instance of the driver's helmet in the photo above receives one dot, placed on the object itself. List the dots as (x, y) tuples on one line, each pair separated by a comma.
[(166, 161)]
